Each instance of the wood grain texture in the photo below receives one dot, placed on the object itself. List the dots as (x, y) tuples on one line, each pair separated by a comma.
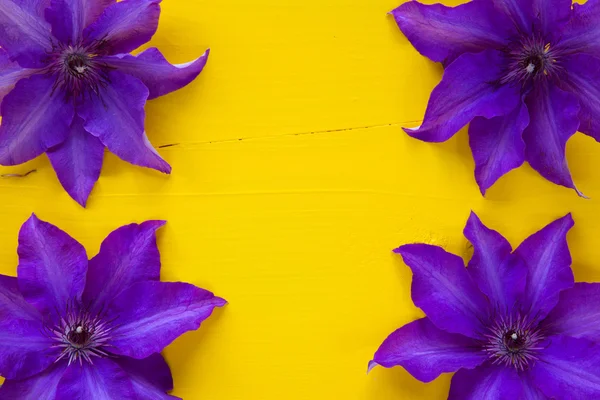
[(292, 182)]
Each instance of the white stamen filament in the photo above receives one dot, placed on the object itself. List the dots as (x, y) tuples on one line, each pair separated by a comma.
[(81, 69), (530, 68), (79, 329), (514, 336)]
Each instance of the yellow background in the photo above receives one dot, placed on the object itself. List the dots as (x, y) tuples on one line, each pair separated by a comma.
[(292, 182)]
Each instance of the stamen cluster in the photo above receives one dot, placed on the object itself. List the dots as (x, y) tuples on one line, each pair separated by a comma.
[(81, 335), (529, 59), (513, 341), (77, 69)]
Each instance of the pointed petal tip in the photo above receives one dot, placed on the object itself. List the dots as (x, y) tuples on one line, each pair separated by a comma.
[(580, 194), (221, 302), (372, 364)]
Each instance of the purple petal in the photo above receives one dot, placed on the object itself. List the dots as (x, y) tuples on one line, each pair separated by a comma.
[(38, 387), (125, 25), (118, 120), (546, 255), (23, 34), (52, 266), (498, 275), (584, 71), (550, 15), (541, 17), (467, 90), (581, 34), (103, 380), (151, 377), (489, 381), (10, 74), (426, 351), (519, 12), (530, 391), (33, 120), (153, 69), (497, 145), (569, 368), (444, 33), (150, 315), (68, 18), (443, 289), (553, 120), (24, 349), (128, 255), (78, 161), (12, 302), (577, 313)]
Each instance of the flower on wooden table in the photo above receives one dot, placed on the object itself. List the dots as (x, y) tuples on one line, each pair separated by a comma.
[(70, 88), (525, 73), (512, 325), (77, 329)]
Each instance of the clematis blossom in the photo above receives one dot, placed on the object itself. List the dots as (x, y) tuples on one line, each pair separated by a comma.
[(524, 73), (70, 88), (512, 325), (77, 329)]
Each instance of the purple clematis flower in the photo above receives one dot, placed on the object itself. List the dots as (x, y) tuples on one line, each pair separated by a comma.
[(513, 323), (73, 329), (523, 72), (68, 86)]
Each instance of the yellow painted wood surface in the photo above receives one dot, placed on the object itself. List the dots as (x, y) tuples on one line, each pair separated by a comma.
[(292, 181)]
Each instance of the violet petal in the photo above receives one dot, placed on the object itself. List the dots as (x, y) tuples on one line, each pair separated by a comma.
[(12, 302), (69, 18), (444, 33), (488, 381), (577, 313), (553, 120), (33, 120), (24, 349), (151, 376), (467, 90), (497, 145), (150, 315), (159, 76), (118, 120), (584, 71), (10, 74), (426, 351), (498, 274), (52, 266), (569, 368), (444, 290), (125, 25), (546, 255), (38, 387), (581, 34), (23, 33), (78, 161), (127, 255), (519, 12), (103, 380)]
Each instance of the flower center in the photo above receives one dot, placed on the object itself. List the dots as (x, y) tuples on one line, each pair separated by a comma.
[(77, 69), (513, 341), (81, 336), (530, 59)]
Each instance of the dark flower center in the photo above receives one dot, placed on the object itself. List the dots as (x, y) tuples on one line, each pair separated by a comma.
[(77, 69), (530, 59), (513, 341), (77, 64), (81, 335)]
